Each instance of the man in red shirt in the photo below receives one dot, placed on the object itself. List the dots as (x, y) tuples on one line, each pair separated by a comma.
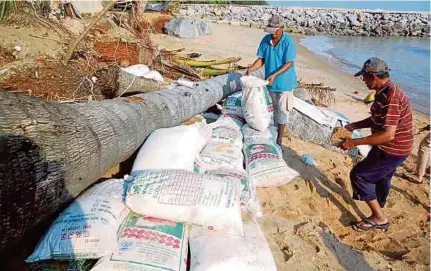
[(391, 124)]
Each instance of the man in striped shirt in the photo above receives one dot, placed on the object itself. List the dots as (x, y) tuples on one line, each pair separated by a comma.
[(391, 124)]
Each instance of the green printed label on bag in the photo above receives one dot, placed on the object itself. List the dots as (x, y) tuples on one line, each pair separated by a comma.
[(151, 242)]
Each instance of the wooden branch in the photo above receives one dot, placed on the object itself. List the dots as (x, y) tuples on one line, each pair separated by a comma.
[(46, 38), (72, 47)]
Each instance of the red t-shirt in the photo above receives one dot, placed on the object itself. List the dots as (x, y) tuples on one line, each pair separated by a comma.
[(391, 107)]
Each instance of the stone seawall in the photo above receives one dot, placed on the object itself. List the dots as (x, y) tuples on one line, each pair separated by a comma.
[(315, 21)]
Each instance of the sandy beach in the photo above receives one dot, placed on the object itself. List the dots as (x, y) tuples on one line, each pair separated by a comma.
[(307, 221)]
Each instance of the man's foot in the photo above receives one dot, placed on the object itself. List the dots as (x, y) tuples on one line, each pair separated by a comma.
[(411, 178), (370, 224)]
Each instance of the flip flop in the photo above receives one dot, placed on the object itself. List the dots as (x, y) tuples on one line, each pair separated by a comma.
[(374, 226)]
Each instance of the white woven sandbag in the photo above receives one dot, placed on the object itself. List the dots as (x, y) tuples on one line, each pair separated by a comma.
[(172, 148), (216, 251), (148, 244), (220, 155), (241, 177), (177, 195), (232, 105), (227, 130), (254, 102), (87, 229), (264, 159)]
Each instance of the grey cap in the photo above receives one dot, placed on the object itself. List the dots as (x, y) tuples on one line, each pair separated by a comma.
[(274, 23), (374, 65)]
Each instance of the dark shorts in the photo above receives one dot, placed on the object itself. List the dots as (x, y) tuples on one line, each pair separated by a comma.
[(371, 178)]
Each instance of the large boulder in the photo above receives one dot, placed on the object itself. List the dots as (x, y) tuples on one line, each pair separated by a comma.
[(353, 20)]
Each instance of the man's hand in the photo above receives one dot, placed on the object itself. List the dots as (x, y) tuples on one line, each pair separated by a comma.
[(271, 79), (426, 128), (348, 144), (350, 127)]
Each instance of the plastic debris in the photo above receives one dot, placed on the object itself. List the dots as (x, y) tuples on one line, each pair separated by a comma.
[(308, 160)]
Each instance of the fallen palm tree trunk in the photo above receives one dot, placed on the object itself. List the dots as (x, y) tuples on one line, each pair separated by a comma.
[(51, 152), (196, 63), (129, 83)]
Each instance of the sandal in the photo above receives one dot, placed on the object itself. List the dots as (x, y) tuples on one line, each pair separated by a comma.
[(373, 225)]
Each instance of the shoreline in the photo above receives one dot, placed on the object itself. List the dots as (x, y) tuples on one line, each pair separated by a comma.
[(298, 39)]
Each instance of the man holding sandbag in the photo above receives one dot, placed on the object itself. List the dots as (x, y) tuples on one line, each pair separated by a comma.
[(391, 124), (277, 52)]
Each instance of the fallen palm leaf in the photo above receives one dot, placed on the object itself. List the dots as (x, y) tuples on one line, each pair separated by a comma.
[(214, 71), (195, 63), (190, 72), (171, 52)]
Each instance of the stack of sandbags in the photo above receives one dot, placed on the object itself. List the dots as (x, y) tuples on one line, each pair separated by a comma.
[(88, 228), (264, 163)]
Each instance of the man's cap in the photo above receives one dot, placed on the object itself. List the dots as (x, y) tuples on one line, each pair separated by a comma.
[(374, 65), (274, 23)]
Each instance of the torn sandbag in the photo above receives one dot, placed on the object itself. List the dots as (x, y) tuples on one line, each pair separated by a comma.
[(204, 28), (187, 28), (138, 79)]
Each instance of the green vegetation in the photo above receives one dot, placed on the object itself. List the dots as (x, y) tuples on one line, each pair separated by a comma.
[(6, 6)]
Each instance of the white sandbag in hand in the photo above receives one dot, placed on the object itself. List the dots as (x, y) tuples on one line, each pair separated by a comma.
[(254, 102)]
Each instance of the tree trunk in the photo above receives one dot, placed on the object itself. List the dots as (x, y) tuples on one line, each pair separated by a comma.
[(51, 152)]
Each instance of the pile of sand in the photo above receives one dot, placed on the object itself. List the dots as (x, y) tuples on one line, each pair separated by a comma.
[(307, 222)]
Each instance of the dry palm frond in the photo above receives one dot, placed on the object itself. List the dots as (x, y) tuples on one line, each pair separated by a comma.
[(322, 95)]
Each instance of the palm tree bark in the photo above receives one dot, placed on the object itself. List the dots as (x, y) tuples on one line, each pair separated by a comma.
[(51, 152)]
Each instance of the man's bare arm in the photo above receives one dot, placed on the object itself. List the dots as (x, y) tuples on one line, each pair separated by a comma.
[(256, 65)]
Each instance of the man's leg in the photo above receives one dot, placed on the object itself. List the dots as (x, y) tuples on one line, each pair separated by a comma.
[(281, 133), (371, 180), (377, 214), (423, 157), (285, 105)]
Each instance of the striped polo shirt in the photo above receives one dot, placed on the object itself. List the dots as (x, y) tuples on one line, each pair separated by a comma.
[(391, 107)]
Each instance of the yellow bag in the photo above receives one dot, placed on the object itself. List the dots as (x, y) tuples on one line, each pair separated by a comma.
[(370, 97)]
